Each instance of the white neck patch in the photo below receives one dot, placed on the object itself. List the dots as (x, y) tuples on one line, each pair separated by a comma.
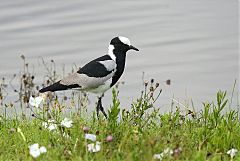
[(110, 52), (124, 40)]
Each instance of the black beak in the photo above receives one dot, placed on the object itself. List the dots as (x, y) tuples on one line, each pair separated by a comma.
[(132, 47)]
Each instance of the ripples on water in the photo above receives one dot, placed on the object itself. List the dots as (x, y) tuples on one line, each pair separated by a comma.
[(193, 43)]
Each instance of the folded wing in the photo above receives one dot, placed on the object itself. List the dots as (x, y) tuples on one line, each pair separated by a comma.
[(90, 76)]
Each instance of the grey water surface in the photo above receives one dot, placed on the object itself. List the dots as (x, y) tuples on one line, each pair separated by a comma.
[(192, 42)]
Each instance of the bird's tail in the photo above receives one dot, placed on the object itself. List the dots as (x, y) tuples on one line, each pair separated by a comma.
[(54, 87)]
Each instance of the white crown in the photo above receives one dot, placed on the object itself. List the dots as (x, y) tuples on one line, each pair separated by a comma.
[(124, 40)]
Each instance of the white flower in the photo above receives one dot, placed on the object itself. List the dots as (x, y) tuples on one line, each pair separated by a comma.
[(50, 125), (158, 156), (66, 122), (93, 148), (35, 151), (42, 149), (91, 137), (232, 152), (167, 151), (35, 102)]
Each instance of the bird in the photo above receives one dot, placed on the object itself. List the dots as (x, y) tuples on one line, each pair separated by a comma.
[(100, 74)]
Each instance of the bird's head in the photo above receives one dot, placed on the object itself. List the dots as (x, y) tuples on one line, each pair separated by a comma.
[(120, 45)]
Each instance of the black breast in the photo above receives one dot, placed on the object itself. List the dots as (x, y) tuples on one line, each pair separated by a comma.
[(120, 61)]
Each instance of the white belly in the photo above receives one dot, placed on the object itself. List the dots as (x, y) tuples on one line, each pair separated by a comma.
[(100, 89)]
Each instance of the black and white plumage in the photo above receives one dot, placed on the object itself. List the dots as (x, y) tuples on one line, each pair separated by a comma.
[(100, 74)]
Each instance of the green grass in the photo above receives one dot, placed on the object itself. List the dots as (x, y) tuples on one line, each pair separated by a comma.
[(138, 134)]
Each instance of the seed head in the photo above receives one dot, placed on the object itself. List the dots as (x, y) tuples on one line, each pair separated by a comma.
[(151, 89), (190, 112), (152, 80), (97, 132), (25, 82), (22, 56), (168, 82), (151, 95), (146, 84)]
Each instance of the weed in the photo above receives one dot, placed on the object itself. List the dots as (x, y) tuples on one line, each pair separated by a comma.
[(141, 133)]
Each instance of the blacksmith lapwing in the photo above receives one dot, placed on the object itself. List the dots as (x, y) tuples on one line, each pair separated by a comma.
[(98, 75)]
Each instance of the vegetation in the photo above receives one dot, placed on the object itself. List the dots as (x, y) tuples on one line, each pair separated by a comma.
[(141, 133)]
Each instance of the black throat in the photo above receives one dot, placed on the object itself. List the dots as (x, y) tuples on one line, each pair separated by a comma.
[(120, 61)]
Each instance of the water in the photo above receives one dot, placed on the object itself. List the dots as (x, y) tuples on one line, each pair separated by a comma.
[(194, 43)]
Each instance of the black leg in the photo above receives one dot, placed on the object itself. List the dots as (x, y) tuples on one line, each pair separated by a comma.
[(100, 107), (97, 109)]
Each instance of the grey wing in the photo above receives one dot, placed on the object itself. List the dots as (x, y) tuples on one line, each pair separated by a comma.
[(87, 82)]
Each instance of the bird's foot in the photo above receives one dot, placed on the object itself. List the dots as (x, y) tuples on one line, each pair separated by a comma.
[(100, 107)]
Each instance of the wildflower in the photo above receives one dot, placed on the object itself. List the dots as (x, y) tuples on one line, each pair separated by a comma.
[(232, 152), (91, 137), (109, 138), (85, 129), (167, 151), (35, 102), (158, 156), (35, 151), (177, 151), (42, 149), (93, 148), (50, 125), (43, 95), (66, 122)]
